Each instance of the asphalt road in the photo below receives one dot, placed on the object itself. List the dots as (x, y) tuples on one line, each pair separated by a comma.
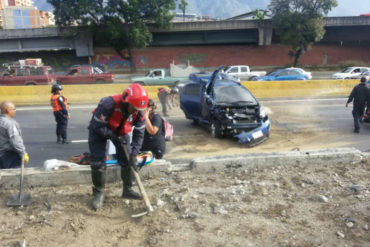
[(321, 115)]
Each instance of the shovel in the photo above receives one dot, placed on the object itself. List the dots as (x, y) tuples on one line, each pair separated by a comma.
[(20, 199), (141, 186)]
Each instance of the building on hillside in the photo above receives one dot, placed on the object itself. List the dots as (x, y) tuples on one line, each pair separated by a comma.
[(25, 17), (19, 14), (249, 15), (180, 17), (15, 3)]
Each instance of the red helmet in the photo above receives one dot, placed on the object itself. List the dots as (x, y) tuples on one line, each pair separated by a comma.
[(136, 96)]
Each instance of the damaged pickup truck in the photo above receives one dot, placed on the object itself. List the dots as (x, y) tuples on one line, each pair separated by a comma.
[(225, 107)]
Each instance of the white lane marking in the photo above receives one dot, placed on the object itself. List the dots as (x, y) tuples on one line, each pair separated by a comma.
[(79, 141), (42, 108), (301, 100)]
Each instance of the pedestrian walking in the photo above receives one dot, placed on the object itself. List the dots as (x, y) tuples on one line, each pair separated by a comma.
[(360, 96), (164, 98), (60, 107), (174, 93), (113, 119), (12, 149)]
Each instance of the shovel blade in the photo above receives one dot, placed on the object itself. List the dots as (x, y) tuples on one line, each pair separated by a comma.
[(19, 200), (139, 215)]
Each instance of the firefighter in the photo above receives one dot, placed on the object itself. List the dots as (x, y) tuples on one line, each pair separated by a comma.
[(113, 119), (60, 108)]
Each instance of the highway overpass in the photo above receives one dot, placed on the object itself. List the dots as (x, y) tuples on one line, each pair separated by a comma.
[(349, 29)]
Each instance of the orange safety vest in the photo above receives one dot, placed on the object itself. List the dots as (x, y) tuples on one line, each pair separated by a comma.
[(117, 117), (55, 103)]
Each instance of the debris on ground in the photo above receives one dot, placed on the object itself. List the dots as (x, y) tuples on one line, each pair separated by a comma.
[(278, 206)]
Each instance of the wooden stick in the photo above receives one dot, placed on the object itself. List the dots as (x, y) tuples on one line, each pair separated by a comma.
[(142, 190)]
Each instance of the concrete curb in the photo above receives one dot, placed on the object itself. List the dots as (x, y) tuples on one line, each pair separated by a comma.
[(261, 160), (38, 177), (78, 174)]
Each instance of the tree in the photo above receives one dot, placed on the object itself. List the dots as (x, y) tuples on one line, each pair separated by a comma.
[(259, 15), (299, 23), (120, 24), (182, 6)]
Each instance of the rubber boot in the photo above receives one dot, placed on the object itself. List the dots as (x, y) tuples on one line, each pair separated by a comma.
[(128, 192), (59, 140), (98, 179)]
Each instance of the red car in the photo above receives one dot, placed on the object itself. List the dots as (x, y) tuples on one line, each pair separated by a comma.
[(84, 74), (28, 75)]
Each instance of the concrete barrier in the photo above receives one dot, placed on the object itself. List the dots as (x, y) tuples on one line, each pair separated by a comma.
[(311, 88), (92, 93), (76, 94)]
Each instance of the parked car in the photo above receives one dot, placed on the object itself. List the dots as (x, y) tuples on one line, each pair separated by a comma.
[(27, 75), (242, 72), (224, 106), (366, 73), (285, 75), (350, 72), (81, 74), (176, 75)]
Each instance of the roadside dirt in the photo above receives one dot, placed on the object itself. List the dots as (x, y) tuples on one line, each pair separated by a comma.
[(282, 206)]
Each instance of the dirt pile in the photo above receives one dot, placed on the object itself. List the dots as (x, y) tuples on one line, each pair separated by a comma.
[(280, 206)]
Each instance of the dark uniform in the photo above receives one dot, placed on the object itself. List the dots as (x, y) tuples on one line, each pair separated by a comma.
[(111, 120), (361, 98), (60, 108)]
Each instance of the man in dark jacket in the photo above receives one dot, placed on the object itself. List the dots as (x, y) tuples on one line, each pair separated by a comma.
[(113, 119), (361, 98)]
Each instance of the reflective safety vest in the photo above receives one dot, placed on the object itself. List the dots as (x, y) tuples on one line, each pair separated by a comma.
[(117, 117), (55, 103)]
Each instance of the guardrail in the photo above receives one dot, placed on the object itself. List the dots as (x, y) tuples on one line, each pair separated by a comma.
[(78, 94)]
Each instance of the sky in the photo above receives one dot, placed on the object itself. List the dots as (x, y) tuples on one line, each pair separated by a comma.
[(217, 8)]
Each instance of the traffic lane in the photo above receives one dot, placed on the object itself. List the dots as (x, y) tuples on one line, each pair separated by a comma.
[(39, 133), (322, 115), (293, 116)]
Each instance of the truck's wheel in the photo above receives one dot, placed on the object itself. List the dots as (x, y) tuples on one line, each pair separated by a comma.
[(216, 131), (140, 82), (30, 83), (100, 81), (251, 78)]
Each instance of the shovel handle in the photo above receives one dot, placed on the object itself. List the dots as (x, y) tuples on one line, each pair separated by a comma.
[(142, 190), (138, 180), (21, 178)]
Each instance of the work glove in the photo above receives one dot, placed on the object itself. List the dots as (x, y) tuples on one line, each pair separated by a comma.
[(26, 158), (133, 162)]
